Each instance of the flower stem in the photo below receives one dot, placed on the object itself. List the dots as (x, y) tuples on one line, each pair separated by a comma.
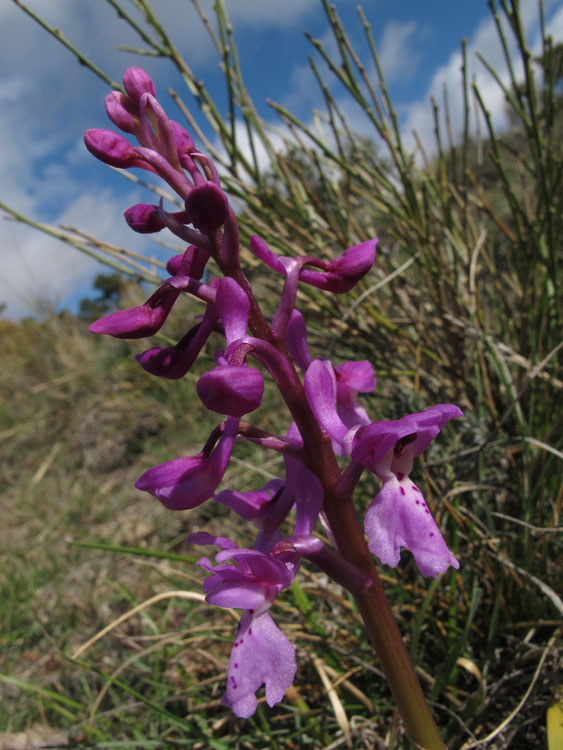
[(382, 628), (374, 606)]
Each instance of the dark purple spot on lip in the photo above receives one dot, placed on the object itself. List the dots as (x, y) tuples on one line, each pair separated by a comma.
[(235, 644), (232, 679), (240, 641), (235, 665), (427, 511), (417, 502), (249, 631), (431, 534), (402, 490), (415, 488)]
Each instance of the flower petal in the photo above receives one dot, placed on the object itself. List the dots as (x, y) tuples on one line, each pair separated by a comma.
[(249, 505), (355, 377), (261, 654), (399, 517), (233, 307), (231, 390), (320, 388), (187, 482), (343, 272), (239, 595), (295, 338)]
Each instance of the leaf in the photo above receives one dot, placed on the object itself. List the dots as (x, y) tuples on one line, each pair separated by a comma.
[(555, 726)]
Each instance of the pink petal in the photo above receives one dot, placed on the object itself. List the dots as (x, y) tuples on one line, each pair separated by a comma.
[(399, 517), (261, 654)]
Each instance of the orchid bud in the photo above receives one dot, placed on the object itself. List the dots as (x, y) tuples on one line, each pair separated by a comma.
[(188, 482), (173, 264), (231, 390), (144, 218), (119, 113), (207, 207), (192, 262), (137, 82), (175, 361), (110, 147), (139, 322), (184, 142), (344, 272)]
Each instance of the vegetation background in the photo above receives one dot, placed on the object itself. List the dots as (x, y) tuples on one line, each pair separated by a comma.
[(105, 640)]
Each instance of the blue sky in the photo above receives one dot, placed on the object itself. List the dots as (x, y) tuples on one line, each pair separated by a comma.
[(48, 100)]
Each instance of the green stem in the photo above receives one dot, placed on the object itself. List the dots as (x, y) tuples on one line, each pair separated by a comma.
[(338, 505), (374, 607), (382, 628)]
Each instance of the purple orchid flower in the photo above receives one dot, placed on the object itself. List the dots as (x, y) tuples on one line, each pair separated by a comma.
[(398, 516), (251, 579), (250, 505), (113, 149), (207, 207), (336, 276), (139, 322), (261, 653), (144, 218), (174, 362), (342, 382), (188, 482), (232, 388), (137, 82), (269, 507)]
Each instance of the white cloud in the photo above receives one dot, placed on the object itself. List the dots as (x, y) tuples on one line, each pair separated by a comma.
[(274, 12), (47, 98), (37, 268), (45, 104), (397, 54), (418, 115)]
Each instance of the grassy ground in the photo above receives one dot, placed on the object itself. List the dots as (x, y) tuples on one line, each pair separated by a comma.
[(80, 422)]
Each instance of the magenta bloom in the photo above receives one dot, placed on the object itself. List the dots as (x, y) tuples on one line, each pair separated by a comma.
[(261, 654), (188, 482), (111, 148), (139, 322), (250, 505), (121, 112), (174, 362), (342, 382), (207, 207), (231, 390), (137, 82), (344, 272), (144, 218), (398, 516), (337, 276)]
